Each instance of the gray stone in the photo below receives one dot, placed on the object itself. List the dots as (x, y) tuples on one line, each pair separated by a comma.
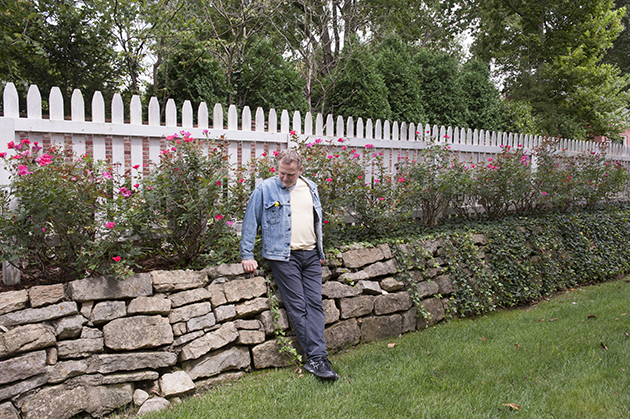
[(64, 401), (326, 273), (69, 327), (252, 307), (250, 337), (149, 305), (226, 334), (22, 367), (130, 377), (86, 309), (202, 322), (64, 370), (140, 396), (176, 383), (356, 306), (79, 348), (58, 402), (435, 310), (268, 355), (432, 246), (8, 411), (248, 324), (409, 320), (153, 405), (445, 284), (22, 386), (427, 288), (188, 297), (185, 313), (52, 356), (102, 288), (390, 284), (106, 311), (184, 339), (169, 281), (361, 257), (105, 399), (46, 294), (217, 296), (91, 333), (217, 362), (334, 289), (387, 252), (179, 329), (342, 334), (244, 289), (331, 312), (37, 315), (369, 287), (353, 277), (381, 269), (225, 270), (391, 303), (13, 301), (381, 327), (108, 363), (138, 332), (479, 239), (267, 320), (25, 338)]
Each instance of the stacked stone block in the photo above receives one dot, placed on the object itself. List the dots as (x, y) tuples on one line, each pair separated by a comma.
[(97, 344)]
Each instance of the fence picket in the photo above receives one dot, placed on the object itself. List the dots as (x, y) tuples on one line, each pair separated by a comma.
[(135, 112), (33, 103), (98, 108), (55, 103)]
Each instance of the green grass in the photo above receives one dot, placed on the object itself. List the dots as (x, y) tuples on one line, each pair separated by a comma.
[(465, 368)]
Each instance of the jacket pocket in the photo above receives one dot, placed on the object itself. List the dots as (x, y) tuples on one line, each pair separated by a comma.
[(272, 212)]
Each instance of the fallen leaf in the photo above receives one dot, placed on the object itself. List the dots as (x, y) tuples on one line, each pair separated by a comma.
[(541, 320), (482, 338), (625, 334), (391, 345), (298, 370), (517, 345), (512, 405), (591, 316), (553, 320), (603, 346)]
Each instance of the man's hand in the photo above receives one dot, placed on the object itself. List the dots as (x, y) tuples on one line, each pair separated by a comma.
[(249, 265)]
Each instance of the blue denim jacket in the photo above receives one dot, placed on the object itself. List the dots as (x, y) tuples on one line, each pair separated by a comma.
[(269, 207)]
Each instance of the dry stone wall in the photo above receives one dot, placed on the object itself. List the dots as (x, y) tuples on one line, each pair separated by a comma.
[(96, 344)]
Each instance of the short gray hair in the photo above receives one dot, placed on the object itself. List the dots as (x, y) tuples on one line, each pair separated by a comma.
[(289, 156)]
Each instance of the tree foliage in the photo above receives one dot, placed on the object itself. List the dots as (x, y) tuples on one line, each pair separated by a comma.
[(550, 54)]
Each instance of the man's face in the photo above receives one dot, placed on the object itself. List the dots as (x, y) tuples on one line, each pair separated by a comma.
[(289, 173)]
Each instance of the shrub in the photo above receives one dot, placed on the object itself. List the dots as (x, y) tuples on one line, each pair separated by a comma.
[(185, 209), (69, 215)]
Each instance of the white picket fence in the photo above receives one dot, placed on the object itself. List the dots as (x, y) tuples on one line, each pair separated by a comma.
[(129, 140)]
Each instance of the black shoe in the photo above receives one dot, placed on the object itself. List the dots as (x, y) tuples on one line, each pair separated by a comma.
[(321, 368)]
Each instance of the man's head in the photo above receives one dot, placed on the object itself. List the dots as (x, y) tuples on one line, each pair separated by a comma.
[(289, 167)]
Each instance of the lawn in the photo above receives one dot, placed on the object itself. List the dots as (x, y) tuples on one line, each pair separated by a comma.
[(566, 357)]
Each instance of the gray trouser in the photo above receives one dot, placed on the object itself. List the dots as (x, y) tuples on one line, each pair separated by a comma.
[(299, 281)]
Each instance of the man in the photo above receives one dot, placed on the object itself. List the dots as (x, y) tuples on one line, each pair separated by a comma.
[(289, 212)]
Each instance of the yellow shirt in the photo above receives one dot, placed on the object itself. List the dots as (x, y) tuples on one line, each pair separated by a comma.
[(302, 218)]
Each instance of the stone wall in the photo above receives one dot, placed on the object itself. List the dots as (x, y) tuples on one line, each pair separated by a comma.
[(94, 345)]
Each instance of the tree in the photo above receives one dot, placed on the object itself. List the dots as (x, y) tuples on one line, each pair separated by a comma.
[(360, 90), (480, 96), (269, 81), (58, 43), (442, 93), (401, 80), (551, 55)]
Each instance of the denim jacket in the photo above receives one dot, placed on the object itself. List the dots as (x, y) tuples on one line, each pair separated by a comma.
[(269, 207)]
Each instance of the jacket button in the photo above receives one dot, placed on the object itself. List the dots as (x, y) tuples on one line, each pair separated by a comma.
[(289, 215)]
